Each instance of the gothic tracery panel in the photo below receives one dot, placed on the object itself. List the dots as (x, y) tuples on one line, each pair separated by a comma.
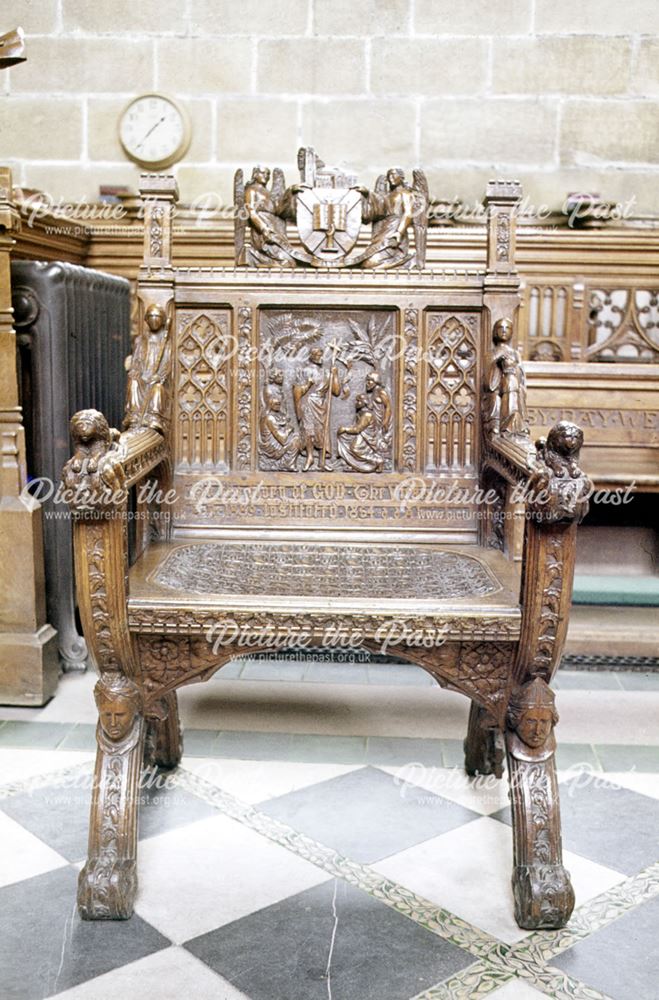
[(450, 386), (202, 366)]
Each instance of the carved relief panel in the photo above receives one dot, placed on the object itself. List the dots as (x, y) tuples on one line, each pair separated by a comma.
[(450, 381), (325, 390), (203, 355)]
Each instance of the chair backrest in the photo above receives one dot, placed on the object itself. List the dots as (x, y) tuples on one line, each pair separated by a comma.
[(314, 396)]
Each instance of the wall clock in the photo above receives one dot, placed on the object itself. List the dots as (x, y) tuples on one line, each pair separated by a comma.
[(154, 131)]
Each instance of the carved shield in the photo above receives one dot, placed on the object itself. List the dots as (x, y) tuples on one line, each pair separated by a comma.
[(328, 221)]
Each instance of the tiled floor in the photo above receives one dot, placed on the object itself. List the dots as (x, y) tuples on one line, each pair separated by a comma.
[(330, 862)]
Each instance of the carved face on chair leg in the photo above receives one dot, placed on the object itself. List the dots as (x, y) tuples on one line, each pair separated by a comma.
[(532, 714), (119, 701)]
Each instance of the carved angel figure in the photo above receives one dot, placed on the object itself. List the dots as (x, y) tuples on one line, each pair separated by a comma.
[(149, 374), (393, 208), (505, 387), (262, 211)]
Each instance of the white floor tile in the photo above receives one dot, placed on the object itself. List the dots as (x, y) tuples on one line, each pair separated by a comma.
[(23, 855), (517, 989), (467, 871), (168, 975), (256, 780), (73, 701), (485, 794), (646, 784), (18, 765), (212, 872)]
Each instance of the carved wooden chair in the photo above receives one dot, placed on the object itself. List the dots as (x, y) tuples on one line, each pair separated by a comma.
[(343, 431)]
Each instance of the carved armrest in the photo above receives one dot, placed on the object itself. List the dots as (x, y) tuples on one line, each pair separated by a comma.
[(514, 458), (105, 463)]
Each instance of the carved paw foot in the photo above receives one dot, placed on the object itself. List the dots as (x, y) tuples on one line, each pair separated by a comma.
[(544, 897), (107, 889)]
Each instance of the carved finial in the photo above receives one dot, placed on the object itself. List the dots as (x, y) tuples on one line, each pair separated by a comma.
[(94, 477), (558, 489)]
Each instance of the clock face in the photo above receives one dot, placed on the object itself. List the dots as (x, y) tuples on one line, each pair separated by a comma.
[(154, 131)]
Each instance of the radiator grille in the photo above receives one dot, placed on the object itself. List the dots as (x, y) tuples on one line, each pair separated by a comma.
[(73, 329)]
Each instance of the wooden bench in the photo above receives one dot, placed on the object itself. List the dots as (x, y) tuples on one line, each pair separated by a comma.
[(329, 445)]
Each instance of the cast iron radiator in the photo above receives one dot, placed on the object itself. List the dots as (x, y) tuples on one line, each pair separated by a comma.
[(73, 331)]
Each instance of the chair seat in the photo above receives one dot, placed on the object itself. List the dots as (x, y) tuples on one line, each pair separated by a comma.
[(282, 578)]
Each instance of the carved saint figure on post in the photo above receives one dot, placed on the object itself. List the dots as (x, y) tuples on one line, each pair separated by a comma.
[(505, 386), (149, 374)]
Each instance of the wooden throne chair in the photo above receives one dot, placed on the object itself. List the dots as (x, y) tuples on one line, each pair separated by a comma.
[(326, 443)]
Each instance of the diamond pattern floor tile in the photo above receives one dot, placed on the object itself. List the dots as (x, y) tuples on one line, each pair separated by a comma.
[(330, 941), (365, 816), (206, 874), (44, 946)]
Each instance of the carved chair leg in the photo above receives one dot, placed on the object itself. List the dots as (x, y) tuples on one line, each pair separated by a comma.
[(542, 890), (483, 746), (108, 882), (164, 744)]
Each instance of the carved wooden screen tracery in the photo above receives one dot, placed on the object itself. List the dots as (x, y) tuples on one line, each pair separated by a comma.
[(451, 379), (203, 357), (623, 325)]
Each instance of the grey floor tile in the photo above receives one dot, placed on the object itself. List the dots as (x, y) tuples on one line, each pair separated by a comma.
[(311, 748), (230, 671), (636, 680), (399, 674), (453, 753), (36, 735), (393, 750), (587, 680), (81, 737), (59, 814), (364, 815), (273, 670), (621, 960), (570, 755), (254, 746), (201, 742), (330, 941), (607, 824), (614, 757), (336, 673), (45, 948)]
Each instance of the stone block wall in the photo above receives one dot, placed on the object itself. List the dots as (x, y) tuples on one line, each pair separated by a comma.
[(563, 95)]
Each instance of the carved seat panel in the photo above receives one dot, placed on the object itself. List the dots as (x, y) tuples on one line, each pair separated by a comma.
[(392, 572)]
